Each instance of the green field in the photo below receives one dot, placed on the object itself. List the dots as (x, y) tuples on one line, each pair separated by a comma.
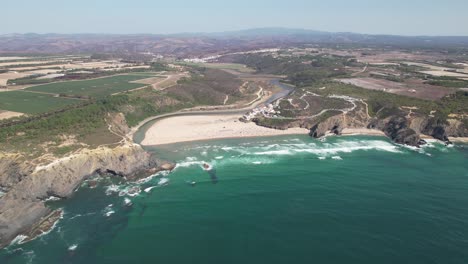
[(95, 88), (32, 103)]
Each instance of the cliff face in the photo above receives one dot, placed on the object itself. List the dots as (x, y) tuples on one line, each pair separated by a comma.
[(398, 129), (401, 128), (22, 205), (13, 168)]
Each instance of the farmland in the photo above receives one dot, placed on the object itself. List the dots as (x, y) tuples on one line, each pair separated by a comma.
[(32, 103), (223, 66), (95, 88)]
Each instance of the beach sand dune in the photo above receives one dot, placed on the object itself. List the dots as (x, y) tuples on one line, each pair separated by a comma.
[(205, 127)]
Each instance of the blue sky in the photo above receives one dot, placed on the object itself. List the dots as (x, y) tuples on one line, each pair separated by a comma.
[(403, 17)]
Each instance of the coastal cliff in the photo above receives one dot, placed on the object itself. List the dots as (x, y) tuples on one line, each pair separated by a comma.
[(26, 186), (401, 128)]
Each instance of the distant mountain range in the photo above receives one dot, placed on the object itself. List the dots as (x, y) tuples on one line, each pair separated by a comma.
[(193, 44)]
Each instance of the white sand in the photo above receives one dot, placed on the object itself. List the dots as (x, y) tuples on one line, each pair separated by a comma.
[(362, 131), (9, 114), (205, 127), (459, 139)]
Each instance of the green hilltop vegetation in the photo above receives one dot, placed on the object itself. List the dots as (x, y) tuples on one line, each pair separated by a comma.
[(300, 71), (87, 122)]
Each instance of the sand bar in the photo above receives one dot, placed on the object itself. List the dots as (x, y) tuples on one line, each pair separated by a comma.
[(204, 127)]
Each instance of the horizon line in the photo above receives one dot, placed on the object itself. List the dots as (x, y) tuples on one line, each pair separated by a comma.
[(233, 32)]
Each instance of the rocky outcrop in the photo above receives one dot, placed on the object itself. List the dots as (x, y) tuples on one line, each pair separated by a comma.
[(333, 124), (398, 129), (13, 168), (401, 129), (118, 123), (22, 206)]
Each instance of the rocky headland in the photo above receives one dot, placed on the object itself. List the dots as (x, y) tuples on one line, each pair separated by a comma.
[(401, 128), (26, 186)]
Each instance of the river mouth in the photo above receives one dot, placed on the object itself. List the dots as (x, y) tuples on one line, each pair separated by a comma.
[(286, 89)]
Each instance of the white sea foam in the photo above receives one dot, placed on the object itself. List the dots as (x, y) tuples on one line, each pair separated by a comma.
[(18, 240), (219, 157), (80, 215), (275, 152), (336, 158), (322, 158), (75, 216), (257, 162), (147, 190), (149, 178), (326, 149), (109, 213), (73, 247), (127, 201), (111, 189), (52, 198), (188, 164), (130, 191), (227, 148), (52, 227), (163, 181)]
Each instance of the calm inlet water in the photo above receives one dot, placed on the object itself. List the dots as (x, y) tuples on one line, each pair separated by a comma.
[(272, 200)]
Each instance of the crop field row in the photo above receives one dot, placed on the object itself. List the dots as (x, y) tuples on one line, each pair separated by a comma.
[(43, 98), (95, 88), (32, 103)]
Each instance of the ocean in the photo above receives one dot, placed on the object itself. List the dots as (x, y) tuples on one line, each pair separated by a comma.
[(289, 199)]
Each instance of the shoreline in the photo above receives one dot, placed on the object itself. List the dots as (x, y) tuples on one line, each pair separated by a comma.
[(205, 127), (191, 128), (362, 131), (459, 139)]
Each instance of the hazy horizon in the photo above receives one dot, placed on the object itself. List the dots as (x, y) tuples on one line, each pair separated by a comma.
[(398, 17), (223, 32)]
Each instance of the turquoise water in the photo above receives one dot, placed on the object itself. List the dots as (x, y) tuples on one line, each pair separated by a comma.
[(272, 200)]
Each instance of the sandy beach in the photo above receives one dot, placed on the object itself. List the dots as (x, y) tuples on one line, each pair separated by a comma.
[(362, 131), (459, 139), (204, 127)]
